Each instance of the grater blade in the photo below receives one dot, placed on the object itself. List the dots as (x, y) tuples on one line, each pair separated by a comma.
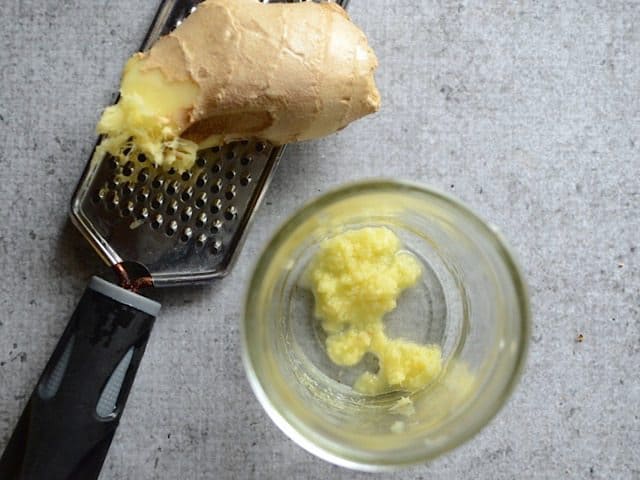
[(182, 227)]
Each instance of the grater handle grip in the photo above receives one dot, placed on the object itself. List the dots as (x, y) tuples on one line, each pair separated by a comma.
[(66, 428)]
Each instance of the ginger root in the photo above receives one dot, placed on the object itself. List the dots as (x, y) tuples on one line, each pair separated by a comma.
[(237, 69)]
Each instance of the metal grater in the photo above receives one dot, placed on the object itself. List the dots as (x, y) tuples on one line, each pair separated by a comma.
[(183, 227)]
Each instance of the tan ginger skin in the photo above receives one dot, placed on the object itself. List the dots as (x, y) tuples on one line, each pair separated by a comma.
[(281, 72)]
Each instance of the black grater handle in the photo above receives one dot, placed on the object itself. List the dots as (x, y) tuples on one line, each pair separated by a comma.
[(66, 429)]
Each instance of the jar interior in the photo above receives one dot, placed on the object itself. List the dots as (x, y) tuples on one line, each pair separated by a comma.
[(466, 302)]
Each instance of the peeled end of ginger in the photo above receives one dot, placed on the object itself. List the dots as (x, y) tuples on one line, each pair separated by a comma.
[(148, 116)]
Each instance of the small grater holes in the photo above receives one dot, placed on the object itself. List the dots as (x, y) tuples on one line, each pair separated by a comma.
[(215, 168), (201, 162), (217, 186), (201, 221), (216, 247), (171, 171), (230, 193), (127, 210), (202, 180), (157, 222), (201, 240), (216, 205), (230, 155), (127, 170), (186, 214), (186, 235), (246, 180), (172, 228), (260, 147), (143, 195), (173, 187), (112, 184), (143, 176), (215, 228), (172, 208), (186, 176), (113, 163), (201, 201), (112, 200), (158, 181), (246, 160), (231, 213), (143, 214), (157, 201), (187, 194), (230, 174), (128, 188), (142, 157)]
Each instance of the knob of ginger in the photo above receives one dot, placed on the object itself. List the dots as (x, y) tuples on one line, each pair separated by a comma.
[(237, 69)]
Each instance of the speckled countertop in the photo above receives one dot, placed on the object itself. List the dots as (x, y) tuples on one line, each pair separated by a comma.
[(529, 111)]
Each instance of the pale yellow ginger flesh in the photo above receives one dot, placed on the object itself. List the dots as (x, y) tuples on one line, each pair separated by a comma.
[(238, 69), (356, 278)]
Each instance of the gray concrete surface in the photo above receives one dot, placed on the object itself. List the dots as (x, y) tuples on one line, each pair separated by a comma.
[(527, 110)]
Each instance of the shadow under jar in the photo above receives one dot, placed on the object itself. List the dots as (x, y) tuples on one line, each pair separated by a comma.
[(470, 300)]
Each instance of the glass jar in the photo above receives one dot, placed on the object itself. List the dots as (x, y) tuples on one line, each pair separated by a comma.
[(471, 301)]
